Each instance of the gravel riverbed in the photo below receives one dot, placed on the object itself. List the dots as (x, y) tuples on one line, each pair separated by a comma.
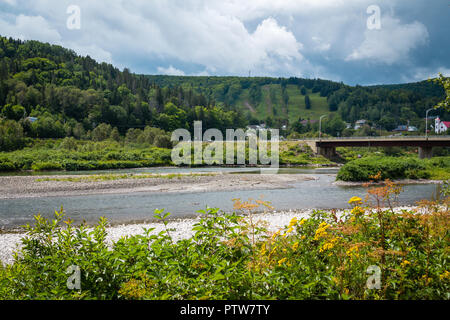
[(13, 187)]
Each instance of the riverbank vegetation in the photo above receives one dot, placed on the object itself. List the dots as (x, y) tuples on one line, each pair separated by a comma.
[(110, 177), (365, 253), (73, 155), (138, 149), (380, 168)]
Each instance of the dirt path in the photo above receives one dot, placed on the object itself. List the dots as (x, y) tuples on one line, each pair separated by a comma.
[(248, 105)]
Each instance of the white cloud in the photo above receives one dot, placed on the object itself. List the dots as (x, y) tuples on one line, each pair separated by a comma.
[(170, 71), (427, 73), (392, 43), (226, 37), (92, 50), (30, 28), (320, 44)]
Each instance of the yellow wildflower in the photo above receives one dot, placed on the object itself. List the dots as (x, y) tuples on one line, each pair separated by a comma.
[(295, 246), (353, 252), (293, 222), (280, 262), (329, 244), (276, 234), (357, 211), (263, 249), (355, 200), (445, 275), (405, 263), (321, 232), (273, 251), (302, 221)]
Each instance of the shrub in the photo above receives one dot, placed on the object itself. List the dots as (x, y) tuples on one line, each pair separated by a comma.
[(390, 168), (41, 166)]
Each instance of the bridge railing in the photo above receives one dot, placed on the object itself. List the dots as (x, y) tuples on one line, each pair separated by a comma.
[(376, 138)]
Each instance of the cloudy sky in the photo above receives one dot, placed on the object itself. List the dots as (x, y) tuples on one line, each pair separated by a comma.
[(340, 40)]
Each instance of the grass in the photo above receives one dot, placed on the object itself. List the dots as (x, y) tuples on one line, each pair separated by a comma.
[(295, 153), (296, 105)]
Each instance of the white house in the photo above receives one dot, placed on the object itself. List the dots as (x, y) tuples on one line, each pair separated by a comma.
[(360, 123), (441, 126)]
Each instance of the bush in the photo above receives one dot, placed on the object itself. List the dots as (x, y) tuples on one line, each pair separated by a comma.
[(365, 169), (41, 166), (162, 141)]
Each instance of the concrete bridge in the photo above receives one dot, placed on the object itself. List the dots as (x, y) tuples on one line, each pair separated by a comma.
[(327, 146)]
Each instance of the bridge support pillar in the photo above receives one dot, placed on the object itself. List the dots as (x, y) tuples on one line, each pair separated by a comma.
[(327, 152), (425, 152)]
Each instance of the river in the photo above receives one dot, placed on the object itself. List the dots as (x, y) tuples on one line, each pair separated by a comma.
[(139, 206)]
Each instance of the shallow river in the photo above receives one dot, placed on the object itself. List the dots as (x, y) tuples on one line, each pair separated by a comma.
[(319, 193)]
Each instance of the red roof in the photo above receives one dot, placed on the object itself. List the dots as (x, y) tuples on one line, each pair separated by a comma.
[(447, 123)]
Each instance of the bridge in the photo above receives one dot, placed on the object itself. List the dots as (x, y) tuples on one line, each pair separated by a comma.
[(327, 146)]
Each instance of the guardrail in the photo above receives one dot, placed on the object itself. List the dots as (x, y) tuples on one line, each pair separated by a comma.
[(375, 138)]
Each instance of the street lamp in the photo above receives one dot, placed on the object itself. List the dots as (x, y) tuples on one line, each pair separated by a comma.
[(320, 125), (426, 122)]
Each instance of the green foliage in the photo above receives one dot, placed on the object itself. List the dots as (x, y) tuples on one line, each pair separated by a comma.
[(11, 135), (365, 169), (307, 103), (445, 83), (73, 155), (15, 112)]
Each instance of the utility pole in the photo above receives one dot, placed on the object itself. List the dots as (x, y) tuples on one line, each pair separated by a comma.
[(320, 126), (426, 122)]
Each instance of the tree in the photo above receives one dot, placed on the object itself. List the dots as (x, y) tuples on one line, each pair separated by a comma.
[(115, 134), (445, 83), (78, 131), (303, 91), (11, 135), (162, 141), (307, 103), (15, 112), (101, 132)]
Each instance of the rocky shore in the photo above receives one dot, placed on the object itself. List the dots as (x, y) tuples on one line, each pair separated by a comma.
[(46, 186)]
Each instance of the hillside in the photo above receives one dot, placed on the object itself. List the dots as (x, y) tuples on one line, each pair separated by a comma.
[(70, 95)]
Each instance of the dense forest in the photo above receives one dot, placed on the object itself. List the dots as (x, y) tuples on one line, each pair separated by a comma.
[(47, 91)]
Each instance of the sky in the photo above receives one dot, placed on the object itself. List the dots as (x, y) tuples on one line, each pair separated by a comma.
[(353, 41)]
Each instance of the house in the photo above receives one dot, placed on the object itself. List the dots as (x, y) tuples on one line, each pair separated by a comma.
[(360, 123), (441, 126), (407, 128), (401, 128), (31, 119), (257, 128)]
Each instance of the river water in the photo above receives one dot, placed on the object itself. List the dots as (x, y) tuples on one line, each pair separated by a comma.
[(139, 206)]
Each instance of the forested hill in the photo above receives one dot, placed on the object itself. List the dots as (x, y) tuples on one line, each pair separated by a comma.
[(70, 95)]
